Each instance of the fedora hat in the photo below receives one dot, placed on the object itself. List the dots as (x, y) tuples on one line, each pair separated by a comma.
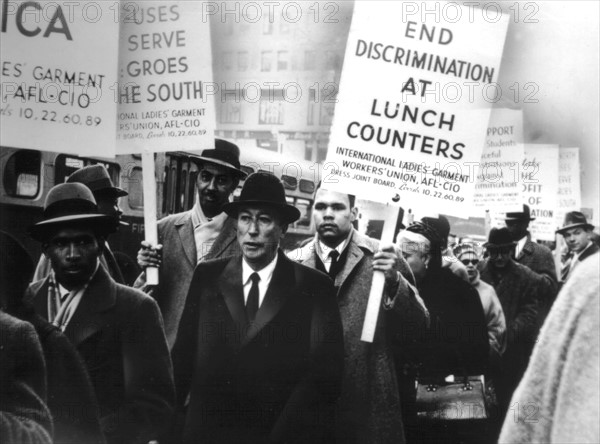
[(225, 154), (574, 219), (69, 204), (524, 215), (97, 179), (263, 189), (499, 237)]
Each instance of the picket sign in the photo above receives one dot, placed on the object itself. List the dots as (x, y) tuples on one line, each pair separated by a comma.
[(390, 214), (151, 230)]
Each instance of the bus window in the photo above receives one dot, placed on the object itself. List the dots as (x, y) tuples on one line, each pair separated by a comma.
[(182, 189), (307, 186), (289, 182), (165, 189), (22, 174), (65, 165), (304, 206), (192, 184), (136, 196)]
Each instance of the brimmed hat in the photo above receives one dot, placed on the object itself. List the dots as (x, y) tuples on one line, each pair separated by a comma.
[(574, 219), (70, 204), (97, 179), (263, 189), (225, 154), (499, 237), (524, 215)]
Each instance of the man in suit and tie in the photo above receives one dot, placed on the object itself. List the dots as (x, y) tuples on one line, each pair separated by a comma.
[(97, 179), (577, 233), (117, 330), (200, 234), (259, 353), (369, 407)]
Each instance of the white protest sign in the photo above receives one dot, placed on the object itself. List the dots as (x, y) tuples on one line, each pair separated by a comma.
[(498, 187), (569, 183), (540, 188), (414, 104), (165, 78), (59, 64)]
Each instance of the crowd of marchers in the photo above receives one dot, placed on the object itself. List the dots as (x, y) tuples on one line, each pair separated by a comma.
[(243, 342)]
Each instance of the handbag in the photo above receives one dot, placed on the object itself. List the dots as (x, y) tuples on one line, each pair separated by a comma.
[(461, 400)]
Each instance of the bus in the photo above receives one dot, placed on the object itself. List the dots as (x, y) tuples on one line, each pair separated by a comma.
[(27, 175)]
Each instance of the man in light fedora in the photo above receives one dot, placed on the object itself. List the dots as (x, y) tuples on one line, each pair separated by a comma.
[(517, 288), (577, 233), (536, 257), (200, 234), (97, 179), (259, 352), (117, 330)]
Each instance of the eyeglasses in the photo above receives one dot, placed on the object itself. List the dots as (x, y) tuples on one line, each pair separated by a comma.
[(466, 262)]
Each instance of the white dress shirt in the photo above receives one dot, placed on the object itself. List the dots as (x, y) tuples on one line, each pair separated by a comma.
[(324, 250), (265, 279)]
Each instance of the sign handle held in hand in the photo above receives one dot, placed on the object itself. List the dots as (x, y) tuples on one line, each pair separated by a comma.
[(390, 214), (150, 229)]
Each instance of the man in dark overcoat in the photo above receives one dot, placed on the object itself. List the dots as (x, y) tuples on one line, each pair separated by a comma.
[(368, 410), (259, 352), (117, 330), (538, 258), (517, 288), (205, 232)]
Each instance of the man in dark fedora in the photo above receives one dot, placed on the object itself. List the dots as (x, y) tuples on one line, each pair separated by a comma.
[(577, 233), (97, 179), (259, 352), (117, 330), (187, 238), (517, 289), (536, 257)]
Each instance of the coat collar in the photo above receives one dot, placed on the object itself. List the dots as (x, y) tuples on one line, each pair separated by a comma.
[(185, 228), (357, 247), (100, 295), (528, 248)]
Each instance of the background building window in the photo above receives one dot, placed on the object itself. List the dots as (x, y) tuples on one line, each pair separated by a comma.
[(243, 60), (266, 60), (310, 60), (282, 60), (271, 107)]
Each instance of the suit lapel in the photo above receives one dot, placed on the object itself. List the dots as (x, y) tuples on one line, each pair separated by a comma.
[(355, 255), (223, 241), (39, 298), (100, 295), (185, 230), (231, 288), (280, 288)]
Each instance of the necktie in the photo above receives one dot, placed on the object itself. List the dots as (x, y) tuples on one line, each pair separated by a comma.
[(334, 255), (252, 302)]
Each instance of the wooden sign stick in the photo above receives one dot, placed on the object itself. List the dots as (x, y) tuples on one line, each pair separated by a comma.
[(150, 229), (390, 214)]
